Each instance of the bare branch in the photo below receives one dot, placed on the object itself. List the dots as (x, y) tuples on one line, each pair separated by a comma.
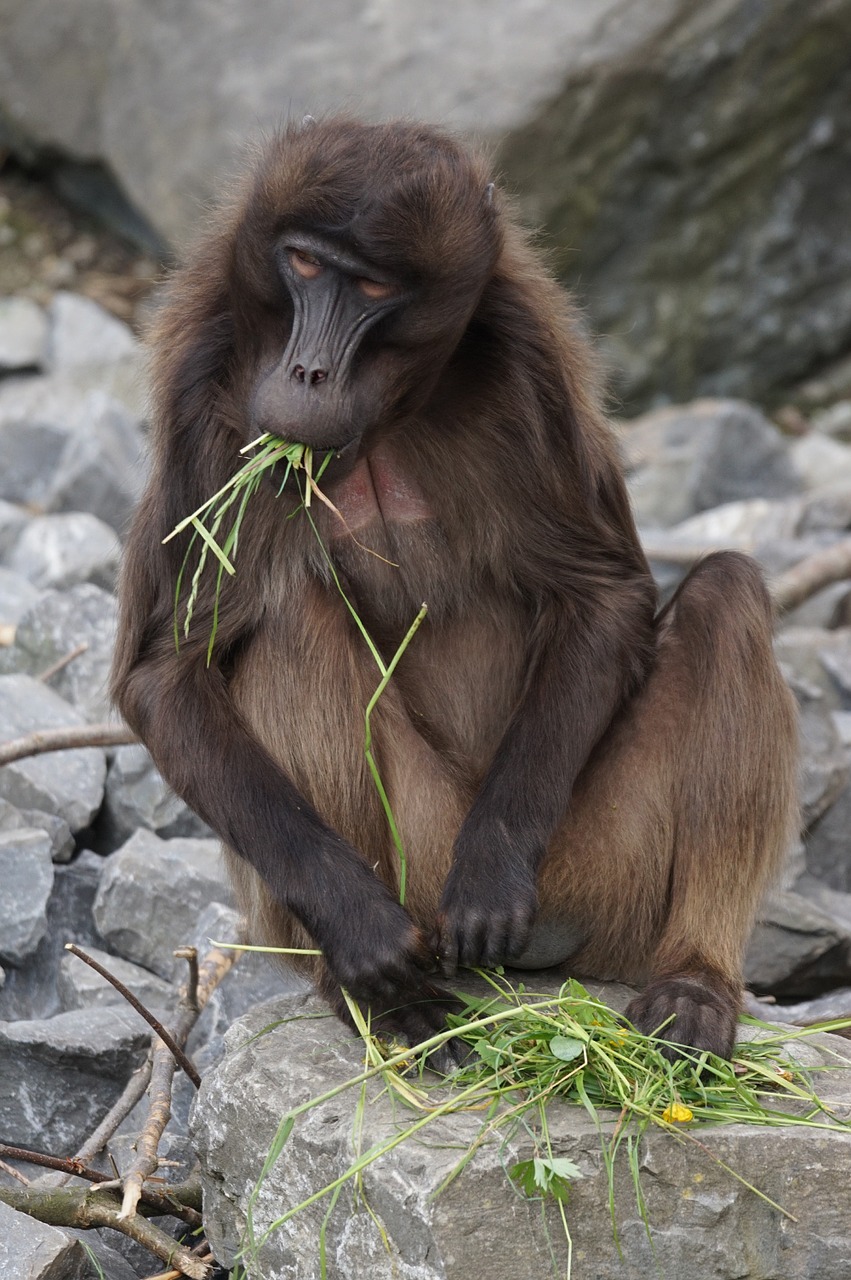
[(167, 1203), (789, 589), (831, 564), (165, 1036), (193, 999), (83, 735), (87, 1207), (62, 663), (14, 1173)]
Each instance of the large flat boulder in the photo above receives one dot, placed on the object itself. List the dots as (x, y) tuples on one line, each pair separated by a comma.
[(705, 1224)]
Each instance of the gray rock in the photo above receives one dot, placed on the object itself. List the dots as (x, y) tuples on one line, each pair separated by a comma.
[(151, 895), (32, 990), (138, 796), (824, 765), (62, 550), (26, 874), (81, 987), (23, 334), (12, 522), (796, 949), (683, 172), (57, 624), (483, 64), (842, 722), (74, 441), (705, 1223), (67, 783), (56, 829), (820, 460), (698, 208), (806, 1013), (31, 1250), (829, 844), (828, 507), (834, 421), (257, 978), (806, 651), (16, 596), (694, 457), (837, 661), (59, 1076), (81, 332), (834, 902)]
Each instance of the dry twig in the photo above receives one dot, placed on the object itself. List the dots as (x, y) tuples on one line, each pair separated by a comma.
[(194, 997), (62, 663), (165, 1036), (158, 1202), (789, 589), (83, 735), (804, 579), (87, 1207)]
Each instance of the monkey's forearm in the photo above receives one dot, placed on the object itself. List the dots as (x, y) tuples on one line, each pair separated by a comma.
[(575, 691)]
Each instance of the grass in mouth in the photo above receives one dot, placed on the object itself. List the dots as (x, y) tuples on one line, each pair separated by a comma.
[(217, 524)]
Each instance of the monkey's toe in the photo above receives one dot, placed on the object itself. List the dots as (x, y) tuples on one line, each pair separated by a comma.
[(694, 1012)]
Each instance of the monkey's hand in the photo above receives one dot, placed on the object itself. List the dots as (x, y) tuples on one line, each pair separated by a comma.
[(369, 942), (488, 904)]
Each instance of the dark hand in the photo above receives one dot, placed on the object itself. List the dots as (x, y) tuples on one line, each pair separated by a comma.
[(488, 904), (369, 942)]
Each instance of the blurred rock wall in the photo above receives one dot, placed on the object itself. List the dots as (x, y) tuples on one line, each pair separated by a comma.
[(691, 164)]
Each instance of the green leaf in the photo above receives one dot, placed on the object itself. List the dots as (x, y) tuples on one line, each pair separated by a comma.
[(561, 1167), (566, 1048)]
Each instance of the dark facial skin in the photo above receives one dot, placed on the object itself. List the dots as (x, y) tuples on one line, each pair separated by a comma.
[(316, 394)]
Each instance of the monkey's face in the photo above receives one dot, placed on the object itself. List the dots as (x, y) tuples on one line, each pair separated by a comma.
[(366, 251), (332, 380)]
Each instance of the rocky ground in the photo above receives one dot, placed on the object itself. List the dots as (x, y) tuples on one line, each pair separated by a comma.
[(94, 848)]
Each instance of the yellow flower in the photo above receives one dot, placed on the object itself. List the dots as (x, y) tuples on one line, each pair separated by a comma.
[(676, 1113)]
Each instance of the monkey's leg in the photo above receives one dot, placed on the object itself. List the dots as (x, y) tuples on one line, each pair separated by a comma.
[(734, 800), (683, 816)]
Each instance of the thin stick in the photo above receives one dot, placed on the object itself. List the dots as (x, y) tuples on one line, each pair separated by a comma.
[(804, 579), (82, 735), (193, 999), (62, 663), (134, 1090), (14, 1173), (167, 1038)]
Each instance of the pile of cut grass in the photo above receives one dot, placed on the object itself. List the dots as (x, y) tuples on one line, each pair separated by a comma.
[(529, 1052)]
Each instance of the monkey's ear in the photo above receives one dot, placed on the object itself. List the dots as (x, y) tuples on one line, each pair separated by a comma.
[(489, 193), (308, 122)]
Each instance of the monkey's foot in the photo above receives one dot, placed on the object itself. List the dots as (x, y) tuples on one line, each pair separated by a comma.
[(699, 1012)]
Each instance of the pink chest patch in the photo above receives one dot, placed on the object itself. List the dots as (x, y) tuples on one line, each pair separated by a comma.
[(378, 488)]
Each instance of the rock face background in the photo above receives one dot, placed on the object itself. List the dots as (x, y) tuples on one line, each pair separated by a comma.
[(691, 164)]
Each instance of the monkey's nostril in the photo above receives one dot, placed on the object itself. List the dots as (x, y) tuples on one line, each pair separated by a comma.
[(299, 373), (318, 375)]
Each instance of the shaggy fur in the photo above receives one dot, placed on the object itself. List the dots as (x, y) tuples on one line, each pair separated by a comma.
[(573, 777)]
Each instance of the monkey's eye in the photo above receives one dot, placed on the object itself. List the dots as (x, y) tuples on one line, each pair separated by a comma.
[(376, 289), (304, 264)]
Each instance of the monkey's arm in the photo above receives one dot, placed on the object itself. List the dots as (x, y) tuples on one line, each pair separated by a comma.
[(585, 668), (184, 713)]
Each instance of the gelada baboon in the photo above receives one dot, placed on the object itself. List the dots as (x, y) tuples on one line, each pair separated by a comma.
[(574, 776)]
